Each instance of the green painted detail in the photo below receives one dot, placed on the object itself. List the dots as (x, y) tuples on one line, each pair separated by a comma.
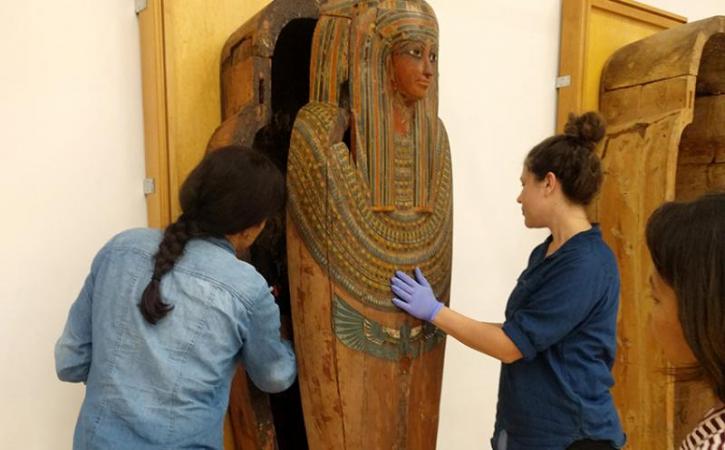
[(362, 334)]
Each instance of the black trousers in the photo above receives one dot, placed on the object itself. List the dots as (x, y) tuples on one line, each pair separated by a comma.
[(588, 444)]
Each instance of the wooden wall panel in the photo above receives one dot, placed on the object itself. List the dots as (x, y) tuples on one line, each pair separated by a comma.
[(151, 29), (181, 45), (195, 35), (591, 31)]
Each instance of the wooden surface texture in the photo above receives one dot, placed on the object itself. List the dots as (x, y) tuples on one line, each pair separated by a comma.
[(662, 144)]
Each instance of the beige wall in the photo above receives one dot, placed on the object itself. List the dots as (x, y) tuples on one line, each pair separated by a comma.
[(72, 161), (498, 62)]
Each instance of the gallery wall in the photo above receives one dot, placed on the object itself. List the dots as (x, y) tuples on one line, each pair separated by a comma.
[(72, 168)]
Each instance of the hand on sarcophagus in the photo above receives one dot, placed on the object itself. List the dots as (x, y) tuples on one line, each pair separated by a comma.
[(415, 297)]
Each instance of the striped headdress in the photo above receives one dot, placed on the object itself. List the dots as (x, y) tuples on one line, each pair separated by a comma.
[(353, 44)]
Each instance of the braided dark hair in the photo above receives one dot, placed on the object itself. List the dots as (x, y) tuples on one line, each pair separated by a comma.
[(231, 189), (571, 157)]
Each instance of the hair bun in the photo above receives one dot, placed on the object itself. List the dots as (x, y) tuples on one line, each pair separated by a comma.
[(588, 128)]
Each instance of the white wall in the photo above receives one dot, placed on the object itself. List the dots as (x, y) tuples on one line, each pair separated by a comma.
[(71, 153), (498, 63), (72, 161)]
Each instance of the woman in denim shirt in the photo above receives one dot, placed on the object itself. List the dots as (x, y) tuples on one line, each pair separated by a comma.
[(163, 318), (558, 342)]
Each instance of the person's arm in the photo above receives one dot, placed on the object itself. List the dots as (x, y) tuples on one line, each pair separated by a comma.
[(417, 298), (268, 359), (550, 313), (488, 338), (73, 349)]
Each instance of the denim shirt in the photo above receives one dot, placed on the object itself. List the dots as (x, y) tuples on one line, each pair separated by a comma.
[(562, 316), (166, 386)]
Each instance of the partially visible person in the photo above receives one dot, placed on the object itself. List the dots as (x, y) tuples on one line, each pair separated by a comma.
[(687, 243), (558, 342), (163, 318)]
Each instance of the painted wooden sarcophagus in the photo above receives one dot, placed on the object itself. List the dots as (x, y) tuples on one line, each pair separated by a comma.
[(343, 94), (369, 182)]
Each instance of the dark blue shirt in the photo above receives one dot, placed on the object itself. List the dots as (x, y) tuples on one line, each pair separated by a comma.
[(562, 316)]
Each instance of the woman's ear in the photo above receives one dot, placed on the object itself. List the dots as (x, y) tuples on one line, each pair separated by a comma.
[(244, 239), (550, 182), (253, 231)]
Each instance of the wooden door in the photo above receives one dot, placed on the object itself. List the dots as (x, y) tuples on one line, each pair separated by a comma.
[(181, 48), (591, 31)]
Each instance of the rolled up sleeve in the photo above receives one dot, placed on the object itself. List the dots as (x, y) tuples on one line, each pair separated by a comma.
[(556, 307)]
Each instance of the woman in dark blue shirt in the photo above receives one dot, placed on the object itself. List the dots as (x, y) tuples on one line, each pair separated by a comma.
[(558, 342)]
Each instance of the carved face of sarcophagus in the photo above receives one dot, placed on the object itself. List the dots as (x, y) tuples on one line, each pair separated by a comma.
[(369, 182)]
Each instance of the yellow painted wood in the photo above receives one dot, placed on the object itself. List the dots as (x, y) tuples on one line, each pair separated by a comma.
[(151, 28), (606, 35), (195, 32), (591, 31), (181, 44)]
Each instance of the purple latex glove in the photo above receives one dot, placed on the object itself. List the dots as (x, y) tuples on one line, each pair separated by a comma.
[(415, 297)]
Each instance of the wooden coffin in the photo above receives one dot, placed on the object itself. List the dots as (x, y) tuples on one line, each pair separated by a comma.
[(370, 375), (264, 81), (664, 101)]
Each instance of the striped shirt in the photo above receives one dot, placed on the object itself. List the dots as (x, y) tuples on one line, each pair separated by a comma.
[(709, 434)]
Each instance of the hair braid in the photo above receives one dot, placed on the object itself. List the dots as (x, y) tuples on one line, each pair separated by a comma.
[(176, 236), (231, 189)]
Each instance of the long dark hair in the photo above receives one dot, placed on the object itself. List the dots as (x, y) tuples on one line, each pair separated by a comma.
[(687, 243), (571, 157), (233, 188)]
